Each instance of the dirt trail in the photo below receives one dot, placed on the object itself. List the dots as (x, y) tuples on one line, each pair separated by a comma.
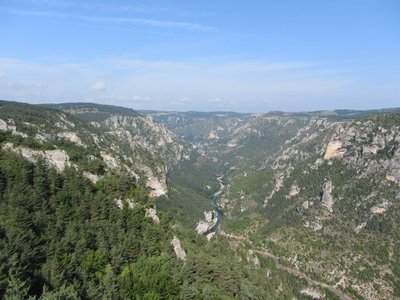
[(294, 272)]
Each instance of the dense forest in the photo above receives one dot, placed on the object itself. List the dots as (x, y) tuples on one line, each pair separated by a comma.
[(62, 237), (75, 200)]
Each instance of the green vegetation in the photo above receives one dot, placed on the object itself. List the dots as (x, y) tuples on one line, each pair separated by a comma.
[(93, 112), (190, 188), (61, 237), (27, 113), (64, 237), (236, 225), (61, 234)]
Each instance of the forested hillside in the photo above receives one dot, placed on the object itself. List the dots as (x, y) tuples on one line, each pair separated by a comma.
[(119, 139), (319, 191), (66, 234), (62, 237), (101, 202)]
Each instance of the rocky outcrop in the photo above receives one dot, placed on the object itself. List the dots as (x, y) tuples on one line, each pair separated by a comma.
[(10, 126), (313, 294), (380, 208), (58, 159), (210, 219), (179, 251), (157, 185), (279, 180), (72, 137), (294, 190), (358, 156), (129, 203), (392, 178), (110, 161), (327, 199), (152, 214), (125, 141), (307, 204), (252, 258), (202, 227), (314, 225), (162, 149), (92, 177), (334, 150), (213, 135)]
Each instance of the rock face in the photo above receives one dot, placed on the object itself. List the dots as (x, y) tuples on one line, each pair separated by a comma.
[(294, 190), (179, 252), (158, 185), (395, 179), (213, 135), (10, 126), (306, 204), (58, 159), (109, 160), (72, 137), (311, 293), (92, 177), (252, 258), (279, 180), (314, 225), (332, 150), (327, 199), (120, 203), (152, 214), (210, 219), (160, 147), (118, 139), (380, 208), (202, 227), (348, 169)]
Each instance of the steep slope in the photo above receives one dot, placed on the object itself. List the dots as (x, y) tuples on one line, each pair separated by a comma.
[(310, 201), (319, 191), (334, 204), (75, 223), (113, 139)]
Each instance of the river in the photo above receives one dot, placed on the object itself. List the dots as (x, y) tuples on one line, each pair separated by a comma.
[(217, 209)]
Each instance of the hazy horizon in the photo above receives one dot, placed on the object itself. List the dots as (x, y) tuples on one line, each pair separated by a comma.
[(211, 56), (211, 111)]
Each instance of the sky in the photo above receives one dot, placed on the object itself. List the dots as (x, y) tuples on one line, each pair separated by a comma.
[(209, 55)]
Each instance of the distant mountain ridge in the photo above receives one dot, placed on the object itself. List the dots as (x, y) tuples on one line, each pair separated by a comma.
[(350, 113)]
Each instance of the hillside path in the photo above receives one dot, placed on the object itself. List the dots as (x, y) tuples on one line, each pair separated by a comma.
[(294, 272)]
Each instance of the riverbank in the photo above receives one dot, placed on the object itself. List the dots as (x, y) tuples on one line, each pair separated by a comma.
[(212, 219)]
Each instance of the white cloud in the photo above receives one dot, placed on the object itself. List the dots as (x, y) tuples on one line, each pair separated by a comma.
[(112, 7), (138, 98), (126, 99), (110, 20), (148, 22), (35, 13), (184, 101), (99, 86)]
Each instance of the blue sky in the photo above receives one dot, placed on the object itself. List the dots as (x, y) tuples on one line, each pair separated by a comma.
[(248, 56)]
